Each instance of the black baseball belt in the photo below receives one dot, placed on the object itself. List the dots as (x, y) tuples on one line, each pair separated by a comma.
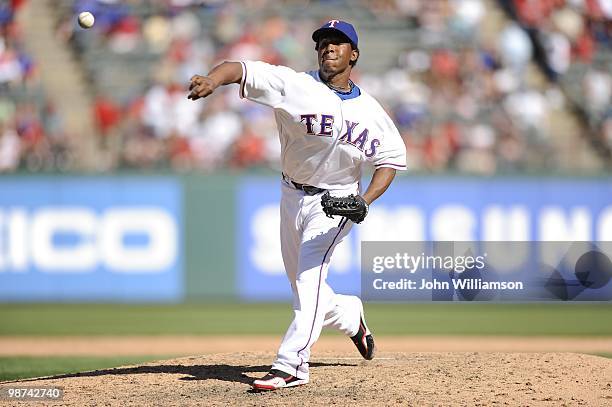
[(308, 189)]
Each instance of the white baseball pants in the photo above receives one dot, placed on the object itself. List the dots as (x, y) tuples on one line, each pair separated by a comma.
[(308, 239)]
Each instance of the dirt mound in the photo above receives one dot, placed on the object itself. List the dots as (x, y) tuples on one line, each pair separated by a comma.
[(392, 378)]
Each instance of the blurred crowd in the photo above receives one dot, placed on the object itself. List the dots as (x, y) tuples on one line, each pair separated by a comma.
[(462, 91), (467, 99), (31, 134), (573, 41), (157, 127)]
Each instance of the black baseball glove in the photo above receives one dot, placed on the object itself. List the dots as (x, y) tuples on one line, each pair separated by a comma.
[(353, 207)]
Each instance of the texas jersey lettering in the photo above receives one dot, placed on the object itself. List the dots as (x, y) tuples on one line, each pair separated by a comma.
[(327, 120)]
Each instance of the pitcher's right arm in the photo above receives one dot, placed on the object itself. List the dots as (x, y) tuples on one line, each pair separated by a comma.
[(222, 74)]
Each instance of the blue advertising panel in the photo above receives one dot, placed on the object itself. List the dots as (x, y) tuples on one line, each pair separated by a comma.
[(90, 239), (425, 209)]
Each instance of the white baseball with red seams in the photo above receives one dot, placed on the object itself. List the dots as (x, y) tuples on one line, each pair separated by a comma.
[(325, 139)]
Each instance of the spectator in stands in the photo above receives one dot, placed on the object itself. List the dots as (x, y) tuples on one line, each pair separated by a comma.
[(10, 148)]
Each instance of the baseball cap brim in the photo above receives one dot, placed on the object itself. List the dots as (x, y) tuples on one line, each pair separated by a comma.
[(322, 32)]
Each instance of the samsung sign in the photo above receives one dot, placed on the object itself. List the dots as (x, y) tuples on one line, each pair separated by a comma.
[(93, 239), (425, 209)]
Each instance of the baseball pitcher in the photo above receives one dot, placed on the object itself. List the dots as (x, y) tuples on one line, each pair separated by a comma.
[(328, 128)]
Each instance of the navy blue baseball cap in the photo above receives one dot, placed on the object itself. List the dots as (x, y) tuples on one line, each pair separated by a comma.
[(337, 25)]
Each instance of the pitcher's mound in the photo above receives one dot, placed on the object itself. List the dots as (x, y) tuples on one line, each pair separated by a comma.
[(418, 379)]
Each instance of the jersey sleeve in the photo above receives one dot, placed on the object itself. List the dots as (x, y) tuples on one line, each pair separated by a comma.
[(391, 150), (264, 83)]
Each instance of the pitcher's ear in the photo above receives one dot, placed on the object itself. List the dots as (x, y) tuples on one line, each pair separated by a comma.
[(354, 56)]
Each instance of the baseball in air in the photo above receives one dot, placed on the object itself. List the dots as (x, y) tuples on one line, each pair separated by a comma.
[(86, 19)]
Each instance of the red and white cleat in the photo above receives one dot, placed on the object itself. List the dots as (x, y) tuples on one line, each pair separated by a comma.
[(277, 379)]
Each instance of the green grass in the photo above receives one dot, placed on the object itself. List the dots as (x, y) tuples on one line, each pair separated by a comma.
[(567, 319), (23, 367)]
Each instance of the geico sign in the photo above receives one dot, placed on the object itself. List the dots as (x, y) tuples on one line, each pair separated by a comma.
[(29, 239)]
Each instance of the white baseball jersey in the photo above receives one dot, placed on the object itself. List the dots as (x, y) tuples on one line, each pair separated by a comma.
[(324, 139)]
